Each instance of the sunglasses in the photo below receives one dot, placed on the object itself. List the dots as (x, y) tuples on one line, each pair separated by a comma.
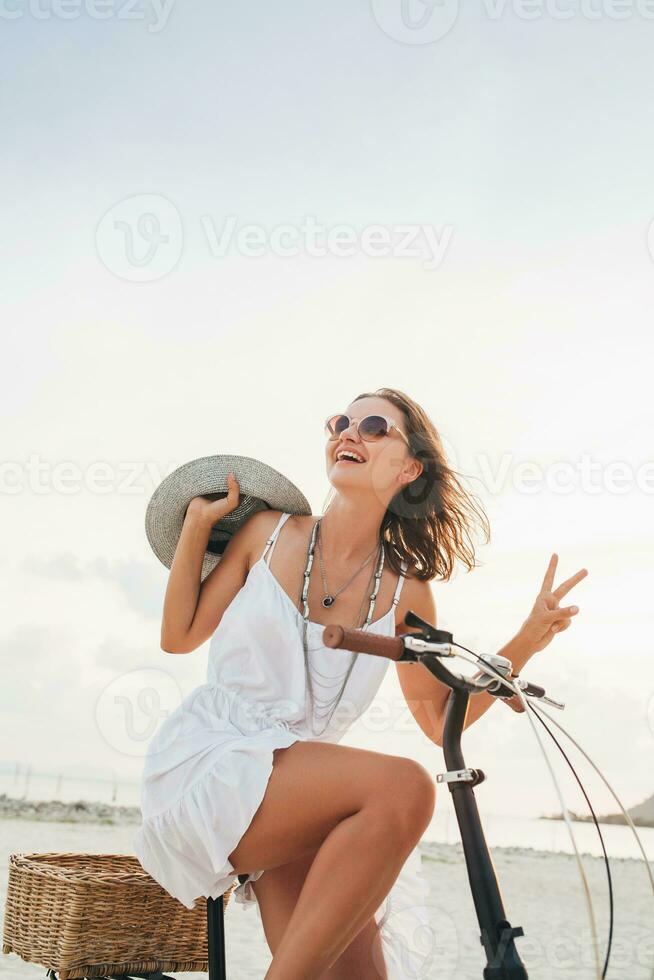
[(372, 428)]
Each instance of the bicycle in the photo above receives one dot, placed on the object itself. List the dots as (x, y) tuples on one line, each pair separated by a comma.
[(429, 646)]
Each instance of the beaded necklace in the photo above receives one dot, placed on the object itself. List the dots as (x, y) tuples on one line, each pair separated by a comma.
[(328, 702)]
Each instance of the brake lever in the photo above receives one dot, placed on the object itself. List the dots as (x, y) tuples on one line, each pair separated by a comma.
[(538, 692), (440, 642), (428, 640)]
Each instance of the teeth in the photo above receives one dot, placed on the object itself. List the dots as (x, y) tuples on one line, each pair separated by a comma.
[(348, 455)]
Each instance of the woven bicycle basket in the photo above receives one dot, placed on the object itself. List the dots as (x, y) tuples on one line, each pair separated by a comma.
[(92, 915)]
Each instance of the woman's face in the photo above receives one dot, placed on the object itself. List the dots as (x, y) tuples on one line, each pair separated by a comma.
[(387, 464)]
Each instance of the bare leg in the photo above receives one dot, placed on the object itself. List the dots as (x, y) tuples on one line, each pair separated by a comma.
[(334, 801), (277, 892), (351, 875), (362, 959)]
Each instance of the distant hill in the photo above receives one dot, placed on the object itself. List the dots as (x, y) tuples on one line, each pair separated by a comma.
[(644, 812), (642, 815)]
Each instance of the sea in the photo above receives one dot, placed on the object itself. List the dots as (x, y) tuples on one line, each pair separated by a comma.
[(500, 829)]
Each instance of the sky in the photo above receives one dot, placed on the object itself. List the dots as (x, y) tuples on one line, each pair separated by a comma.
[(220, 224)]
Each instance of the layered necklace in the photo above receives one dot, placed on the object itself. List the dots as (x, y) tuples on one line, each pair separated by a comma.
[(330, 704)]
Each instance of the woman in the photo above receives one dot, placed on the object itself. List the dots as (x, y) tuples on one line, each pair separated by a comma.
[(247, 776)]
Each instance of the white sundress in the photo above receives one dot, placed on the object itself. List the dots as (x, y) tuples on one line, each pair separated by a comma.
[(207, 766)]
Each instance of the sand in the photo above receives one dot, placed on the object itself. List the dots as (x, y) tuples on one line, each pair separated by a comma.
[(541, 892)]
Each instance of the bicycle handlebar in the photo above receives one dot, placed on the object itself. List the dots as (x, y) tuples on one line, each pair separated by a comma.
[(359, 641), (429, 646)]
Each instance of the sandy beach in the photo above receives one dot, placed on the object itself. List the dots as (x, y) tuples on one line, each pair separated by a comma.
[(541, 890)]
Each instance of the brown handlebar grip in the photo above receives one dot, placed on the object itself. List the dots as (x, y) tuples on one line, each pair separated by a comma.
[(360, 641)]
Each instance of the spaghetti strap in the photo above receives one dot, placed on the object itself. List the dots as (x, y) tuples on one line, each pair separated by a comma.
[(273, 537), (400, 583)]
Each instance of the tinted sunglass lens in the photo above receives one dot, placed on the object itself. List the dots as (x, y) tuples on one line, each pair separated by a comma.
[(373, 427), (337, 424)]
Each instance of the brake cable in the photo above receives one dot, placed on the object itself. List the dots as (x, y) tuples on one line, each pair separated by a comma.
[(489, 667), (610, 789), (589, 901), (597, 827), (436, 644), (615, 796)]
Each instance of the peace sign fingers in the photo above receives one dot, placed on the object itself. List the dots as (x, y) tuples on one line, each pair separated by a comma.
[(547, 618), (569, 583), (548, 581)]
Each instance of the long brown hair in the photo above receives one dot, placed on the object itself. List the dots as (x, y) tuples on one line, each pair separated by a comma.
[(428, 523)]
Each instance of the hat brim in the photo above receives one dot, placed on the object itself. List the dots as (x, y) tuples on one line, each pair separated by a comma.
[(261, 488)]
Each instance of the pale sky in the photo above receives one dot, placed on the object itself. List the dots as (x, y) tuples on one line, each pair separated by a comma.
[(519, 155)]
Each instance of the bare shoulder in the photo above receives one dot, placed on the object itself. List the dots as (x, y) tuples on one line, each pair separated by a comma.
[(261, 525), (227, 578), (259, 528)]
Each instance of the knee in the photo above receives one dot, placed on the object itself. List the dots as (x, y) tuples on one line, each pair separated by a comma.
[(413, 796)]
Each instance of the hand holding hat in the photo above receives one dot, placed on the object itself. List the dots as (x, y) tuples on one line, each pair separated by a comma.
[(203, 484), (213, 510)]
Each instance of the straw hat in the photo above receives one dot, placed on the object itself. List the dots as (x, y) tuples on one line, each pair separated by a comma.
[(261, 488)]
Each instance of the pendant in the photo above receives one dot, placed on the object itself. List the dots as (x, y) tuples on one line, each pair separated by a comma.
[(328, 600)]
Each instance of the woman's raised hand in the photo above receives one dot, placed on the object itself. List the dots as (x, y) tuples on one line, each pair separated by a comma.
[(210, 509), (547, 618)]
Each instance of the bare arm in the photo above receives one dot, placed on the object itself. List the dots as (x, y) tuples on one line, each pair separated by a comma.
[(427, 697), (192, 609), (183, 588)]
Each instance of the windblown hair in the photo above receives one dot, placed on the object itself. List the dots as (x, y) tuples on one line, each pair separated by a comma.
[(429, 522)]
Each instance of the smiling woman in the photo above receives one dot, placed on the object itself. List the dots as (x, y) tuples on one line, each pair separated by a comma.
[(247, 776), (429, 519), (427, 524)]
